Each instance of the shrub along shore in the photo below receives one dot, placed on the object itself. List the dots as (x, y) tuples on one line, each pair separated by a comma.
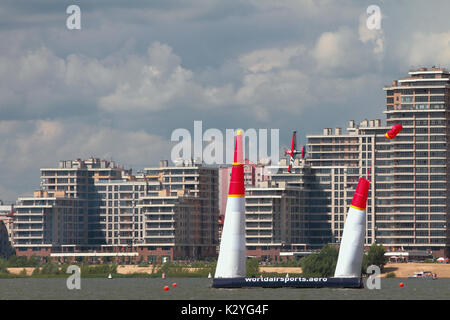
[(55, 270), (399, 270), (321, 264)]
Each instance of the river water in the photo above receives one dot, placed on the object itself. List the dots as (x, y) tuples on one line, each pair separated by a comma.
[(200, 289)]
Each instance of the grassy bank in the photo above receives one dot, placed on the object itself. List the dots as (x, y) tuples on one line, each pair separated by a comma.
[(22, 268), (53, 270)]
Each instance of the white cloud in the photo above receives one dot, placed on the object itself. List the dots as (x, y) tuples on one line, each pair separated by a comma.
[(332, 49), (44, 141), (325, 10), (30, 145), (160, 82), (262, 62), (274, 93), (42, 83), (271, 83), (427, 49), (267, 59), (373, 36), (38, 83), (348, 52)]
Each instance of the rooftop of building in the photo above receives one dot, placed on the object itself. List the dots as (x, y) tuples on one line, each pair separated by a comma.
[(418, 76), (6, 209), (352, 129), (130, 180), (425, 70), (91, 163), (44, 194), (191, 164)]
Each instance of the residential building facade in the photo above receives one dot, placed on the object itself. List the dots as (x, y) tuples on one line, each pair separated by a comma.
[(408, 203), (94, 205)]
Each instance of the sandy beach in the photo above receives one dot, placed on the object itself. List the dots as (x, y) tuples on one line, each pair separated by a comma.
[(404, 270), (19, 270)]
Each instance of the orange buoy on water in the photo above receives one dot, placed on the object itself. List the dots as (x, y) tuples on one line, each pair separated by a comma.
[(401, 284), (166, 288), (174, 285)]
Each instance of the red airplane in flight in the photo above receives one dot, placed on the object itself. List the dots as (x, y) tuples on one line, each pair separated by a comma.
[(292, 152)]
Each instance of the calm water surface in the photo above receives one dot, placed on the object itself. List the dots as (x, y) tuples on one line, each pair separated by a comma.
[(200, 289)]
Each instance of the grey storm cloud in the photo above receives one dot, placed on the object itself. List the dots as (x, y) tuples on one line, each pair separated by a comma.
[(137, 70)]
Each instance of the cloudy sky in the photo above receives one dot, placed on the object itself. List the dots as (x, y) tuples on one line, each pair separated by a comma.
[(137, 70)]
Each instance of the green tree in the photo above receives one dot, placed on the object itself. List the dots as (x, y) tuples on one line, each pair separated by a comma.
[(36, 271), (12, 261), (50, 268), (3, 266), (33, 261), (252, 267), (375, 256), (390, 275), (18, 261), (322, 264)]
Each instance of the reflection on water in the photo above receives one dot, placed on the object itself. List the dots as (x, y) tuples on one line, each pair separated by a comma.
[(200, 289)]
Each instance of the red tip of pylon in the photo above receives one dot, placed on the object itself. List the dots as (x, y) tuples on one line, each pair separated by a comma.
[(359, 200), (237, 188)]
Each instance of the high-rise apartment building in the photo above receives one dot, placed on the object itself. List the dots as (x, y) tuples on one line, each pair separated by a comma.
[(310, 201), (274, 215), (97, 206), (119, 222), (76, 179), (418, 189), (407, 205), (315, 185), (188, 210), (44, 222), (344, 158), (6, 222)]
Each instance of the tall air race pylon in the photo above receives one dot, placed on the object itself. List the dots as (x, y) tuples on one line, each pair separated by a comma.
[(231, 262), (352, 245)]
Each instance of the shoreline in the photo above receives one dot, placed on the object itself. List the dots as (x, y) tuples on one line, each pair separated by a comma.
[(401, 270)]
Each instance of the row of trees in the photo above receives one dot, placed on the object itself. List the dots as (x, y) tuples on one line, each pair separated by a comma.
[(324, 263), (20, 261)]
